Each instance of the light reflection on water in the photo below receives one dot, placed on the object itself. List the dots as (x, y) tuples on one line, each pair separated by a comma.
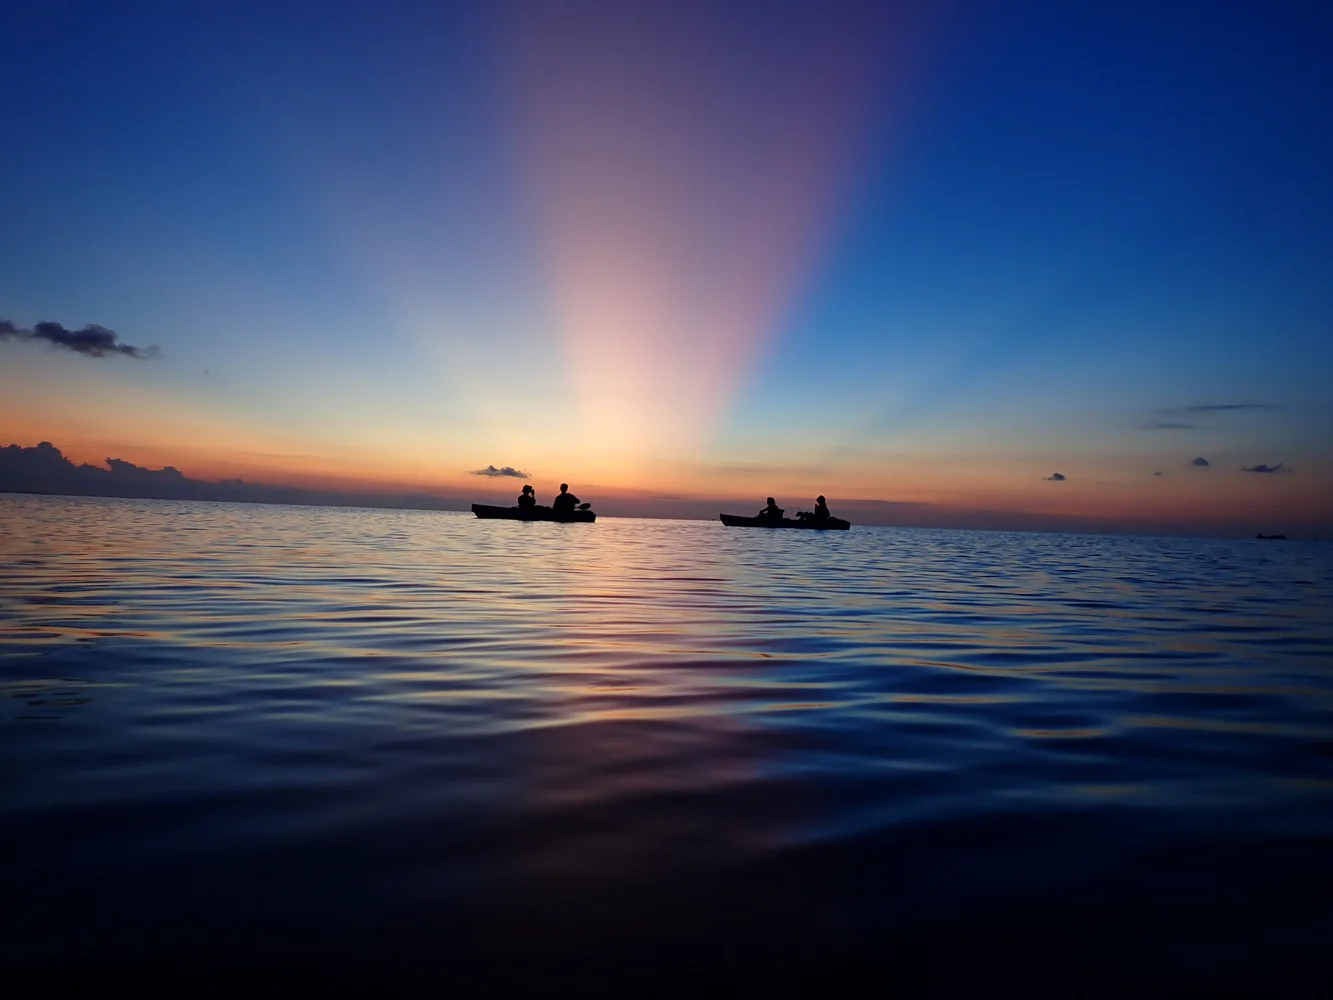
[(279, 727)]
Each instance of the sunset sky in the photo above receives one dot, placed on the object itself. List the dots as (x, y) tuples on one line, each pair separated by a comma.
[(678, 252)]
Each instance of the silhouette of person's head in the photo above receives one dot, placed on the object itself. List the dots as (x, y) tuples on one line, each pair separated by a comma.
[(772, 502), (819, 499), (527, 488), (564, 487)]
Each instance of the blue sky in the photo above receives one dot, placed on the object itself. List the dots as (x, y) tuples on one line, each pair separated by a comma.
[(829, 249)]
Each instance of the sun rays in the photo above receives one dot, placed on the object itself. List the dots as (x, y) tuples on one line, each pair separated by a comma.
[(681, 204)]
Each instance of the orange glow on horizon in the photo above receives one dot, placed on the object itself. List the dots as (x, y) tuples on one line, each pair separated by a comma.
[(1215, 497)]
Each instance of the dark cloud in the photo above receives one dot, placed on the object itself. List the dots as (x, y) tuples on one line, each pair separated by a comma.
[(1261, 468), (1054, 477), (507, 470), (125, 469), (93, 340), (1168, 425), (1219, 408), (1200, 462), (43, 469), (1156, 473), (1229, 407)]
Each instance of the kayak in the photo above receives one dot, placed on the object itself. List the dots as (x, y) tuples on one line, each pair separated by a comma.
[(828, 524), (488, 512)]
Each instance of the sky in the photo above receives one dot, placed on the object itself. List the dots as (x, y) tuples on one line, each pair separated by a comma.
[(1024, 260)]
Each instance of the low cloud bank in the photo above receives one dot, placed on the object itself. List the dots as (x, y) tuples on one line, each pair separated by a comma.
[(1261, 468), (44, 469), (1055, 477), (504, 470), (1200, 462), (93, 341)]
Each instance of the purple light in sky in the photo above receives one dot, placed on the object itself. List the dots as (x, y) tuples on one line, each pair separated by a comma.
[(685, 164)]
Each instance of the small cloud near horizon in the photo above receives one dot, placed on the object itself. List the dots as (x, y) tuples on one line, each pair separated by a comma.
[(92, 341), (1229, 407), (1054, 477), (1156, 473), (1218, 408), (1169, 425), (507, 471), (1261, 468), (1201, 462)]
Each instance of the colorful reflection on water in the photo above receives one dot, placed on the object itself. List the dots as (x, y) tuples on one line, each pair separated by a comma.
[(247, 733)]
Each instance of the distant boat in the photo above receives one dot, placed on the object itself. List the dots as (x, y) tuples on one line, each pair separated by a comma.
[(487, 512), (1271, 538), (809, 523)]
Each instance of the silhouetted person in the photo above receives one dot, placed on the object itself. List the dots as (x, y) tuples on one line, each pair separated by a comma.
[(566, 501), (821, 510), (772, 510), (527, 499)]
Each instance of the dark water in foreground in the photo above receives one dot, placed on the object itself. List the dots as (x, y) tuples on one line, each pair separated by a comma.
[(354, 738)]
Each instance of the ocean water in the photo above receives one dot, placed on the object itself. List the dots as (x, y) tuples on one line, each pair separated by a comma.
[(242, 735)]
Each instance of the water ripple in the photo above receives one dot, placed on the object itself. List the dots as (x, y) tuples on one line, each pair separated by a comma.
[(398, 712)]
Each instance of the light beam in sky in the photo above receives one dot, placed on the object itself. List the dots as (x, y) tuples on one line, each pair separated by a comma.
[(685, 165)]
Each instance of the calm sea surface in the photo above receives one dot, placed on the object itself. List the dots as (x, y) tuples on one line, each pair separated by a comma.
[(247, 734)]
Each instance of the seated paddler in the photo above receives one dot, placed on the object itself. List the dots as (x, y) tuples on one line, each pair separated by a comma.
[(527, 499), (821, 510), (566, 501), (772, 510)]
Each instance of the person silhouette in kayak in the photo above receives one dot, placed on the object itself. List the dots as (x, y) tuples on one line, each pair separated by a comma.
[(566, 501), (820, 513), (772, 510), (527, 499)]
